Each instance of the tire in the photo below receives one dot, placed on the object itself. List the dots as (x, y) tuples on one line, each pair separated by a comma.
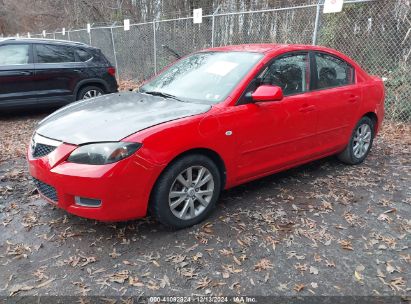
[(170, 197), (89, 92), (360, 143)]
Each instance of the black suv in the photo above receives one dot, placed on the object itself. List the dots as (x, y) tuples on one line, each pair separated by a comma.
[(41, 72)]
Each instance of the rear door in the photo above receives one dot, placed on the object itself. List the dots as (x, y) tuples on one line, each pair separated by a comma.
[(56, 73), (16, 75), (338, 98)]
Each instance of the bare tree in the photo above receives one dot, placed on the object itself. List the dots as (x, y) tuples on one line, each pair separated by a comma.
[(36, 15)]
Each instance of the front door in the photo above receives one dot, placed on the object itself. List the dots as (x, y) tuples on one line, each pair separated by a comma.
[(276, 135), (16, 75)]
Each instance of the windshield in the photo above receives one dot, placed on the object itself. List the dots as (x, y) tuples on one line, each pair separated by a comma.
[(207, 77)]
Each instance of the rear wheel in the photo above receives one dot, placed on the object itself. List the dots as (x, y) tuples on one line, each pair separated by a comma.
[(89, 92), (186, 192), (360, 143)]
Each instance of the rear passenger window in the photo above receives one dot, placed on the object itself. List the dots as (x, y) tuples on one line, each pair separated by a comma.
[(47, 53), (14, 54), (332, 72), (83, 55)]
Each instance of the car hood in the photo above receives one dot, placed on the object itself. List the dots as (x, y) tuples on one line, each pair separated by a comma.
[(113, 117)]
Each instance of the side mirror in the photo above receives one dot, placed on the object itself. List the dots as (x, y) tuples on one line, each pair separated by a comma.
[(267, 93)]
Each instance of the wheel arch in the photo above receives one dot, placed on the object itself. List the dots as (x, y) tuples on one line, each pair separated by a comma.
[(213, 155), (374, 119), (90, 82)]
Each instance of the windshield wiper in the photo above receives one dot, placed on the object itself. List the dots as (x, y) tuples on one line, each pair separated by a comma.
[(162, 94)]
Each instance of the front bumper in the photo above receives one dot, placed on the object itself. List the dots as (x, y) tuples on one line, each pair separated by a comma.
[(123, 187)]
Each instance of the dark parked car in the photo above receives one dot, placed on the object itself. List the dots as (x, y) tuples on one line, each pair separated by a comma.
[(41, 72)]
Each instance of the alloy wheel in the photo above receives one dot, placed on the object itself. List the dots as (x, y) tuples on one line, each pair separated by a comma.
[(362, 140), (191, 192), (91, 94)]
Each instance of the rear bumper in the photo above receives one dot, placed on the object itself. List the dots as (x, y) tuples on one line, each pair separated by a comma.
[(380, 117), (123, 187), (112, 85)]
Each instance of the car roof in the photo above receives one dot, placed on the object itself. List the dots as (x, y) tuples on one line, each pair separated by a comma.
[(42, 41), (268, 47), (258, 48), (273, 48)]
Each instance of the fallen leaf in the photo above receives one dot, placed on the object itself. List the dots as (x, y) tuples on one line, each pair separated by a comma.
[(134, 281), (263, 264), (165, 281), (313, 270), (299, 287), (19, 287), (346, 244), (358, 276), (114, 254), (330, 263), (45, 283), (197, 256), (203, 283)]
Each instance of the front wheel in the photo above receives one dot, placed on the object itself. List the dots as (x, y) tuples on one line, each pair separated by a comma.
[(360, 143), (186, 192)]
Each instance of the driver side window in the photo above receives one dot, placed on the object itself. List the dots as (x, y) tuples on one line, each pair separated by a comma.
[(290, 72)]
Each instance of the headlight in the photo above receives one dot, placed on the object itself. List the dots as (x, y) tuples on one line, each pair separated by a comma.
[(103, 153)]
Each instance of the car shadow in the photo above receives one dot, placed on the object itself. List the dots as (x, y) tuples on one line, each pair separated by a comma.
[(239, 203), (266, 183), (243, 196), (248, 196)]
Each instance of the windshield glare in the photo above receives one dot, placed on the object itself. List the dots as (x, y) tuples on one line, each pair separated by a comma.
[(206, 77)]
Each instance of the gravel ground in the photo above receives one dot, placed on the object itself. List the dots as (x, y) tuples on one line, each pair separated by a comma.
[(319, 229)]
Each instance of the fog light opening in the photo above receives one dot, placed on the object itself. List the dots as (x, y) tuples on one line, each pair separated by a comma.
[(87, 202)]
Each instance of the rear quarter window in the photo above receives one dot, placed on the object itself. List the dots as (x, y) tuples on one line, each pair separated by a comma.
[(99, 58), (83, 55)]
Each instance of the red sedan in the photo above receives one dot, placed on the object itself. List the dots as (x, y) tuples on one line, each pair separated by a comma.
[(213, 120)]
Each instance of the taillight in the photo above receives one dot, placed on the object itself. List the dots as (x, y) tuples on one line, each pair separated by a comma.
[(111, 71)]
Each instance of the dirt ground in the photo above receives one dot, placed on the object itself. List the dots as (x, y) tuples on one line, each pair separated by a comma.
[(320, 229)]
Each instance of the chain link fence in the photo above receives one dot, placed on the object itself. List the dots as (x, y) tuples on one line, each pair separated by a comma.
[(375, 33)]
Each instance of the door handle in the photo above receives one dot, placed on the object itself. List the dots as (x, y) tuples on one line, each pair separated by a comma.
[(25, 73), (307, 108), (16, 73), (353, 98)]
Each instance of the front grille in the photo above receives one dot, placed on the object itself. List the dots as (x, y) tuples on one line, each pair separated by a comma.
[(47, 190), (41, 150)]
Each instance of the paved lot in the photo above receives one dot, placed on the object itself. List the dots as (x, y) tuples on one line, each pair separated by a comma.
[(320, 229)]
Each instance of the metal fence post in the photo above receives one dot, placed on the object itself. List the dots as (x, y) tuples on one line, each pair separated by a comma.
[(89, 34), (317, 21), (155, 47), (68, 35), (213, 25), (114, 52), (212, 31)]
